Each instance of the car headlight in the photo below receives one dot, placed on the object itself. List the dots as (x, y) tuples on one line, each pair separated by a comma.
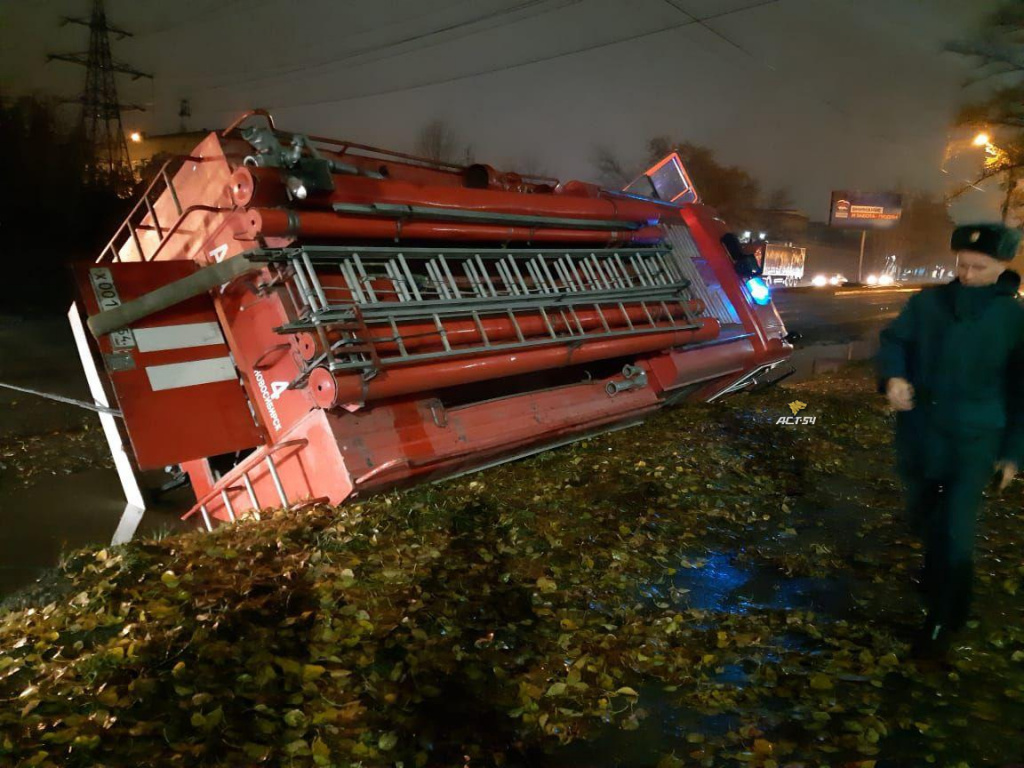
[(819, 281)]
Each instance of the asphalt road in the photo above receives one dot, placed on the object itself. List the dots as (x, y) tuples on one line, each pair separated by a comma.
[(837, 315)]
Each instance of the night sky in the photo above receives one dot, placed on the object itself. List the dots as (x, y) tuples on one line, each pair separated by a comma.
[(806, 94)]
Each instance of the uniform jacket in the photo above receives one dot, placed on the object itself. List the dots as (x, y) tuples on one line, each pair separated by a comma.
[(962, 349)]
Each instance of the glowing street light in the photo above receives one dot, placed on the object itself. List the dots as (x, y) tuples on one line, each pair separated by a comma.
[(135, 136), (996, 155)]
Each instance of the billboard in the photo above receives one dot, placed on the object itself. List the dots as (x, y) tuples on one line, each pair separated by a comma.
[(865, 210)]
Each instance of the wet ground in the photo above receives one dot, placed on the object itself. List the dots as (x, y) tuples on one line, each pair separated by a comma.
[(711, 589)]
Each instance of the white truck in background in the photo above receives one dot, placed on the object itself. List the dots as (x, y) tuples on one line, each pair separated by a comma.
[(781, 264)]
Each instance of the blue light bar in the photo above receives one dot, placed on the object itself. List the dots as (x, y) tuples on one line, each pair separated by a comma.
[(759, 291)]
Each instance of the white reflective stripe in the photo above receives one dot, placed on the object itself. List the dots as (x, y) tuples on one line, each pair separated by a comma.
[(178, 336), (191, 374), (118, 451)]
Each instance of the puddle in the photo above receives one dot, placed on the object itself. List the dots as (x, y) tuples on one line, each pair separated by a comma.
[(722, 586), (662, 730)]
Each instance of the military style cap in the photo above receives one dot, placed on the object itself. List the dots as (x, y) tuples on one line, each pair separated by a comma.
[(995, 240)]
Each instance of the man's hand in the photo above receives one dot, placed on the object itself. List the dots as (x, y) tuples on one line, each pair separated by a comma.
[(1008, 470), (900, 393)]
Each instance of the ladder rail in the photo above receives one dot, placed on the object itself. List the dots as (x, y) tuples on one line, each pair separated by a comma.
[(383, 288)]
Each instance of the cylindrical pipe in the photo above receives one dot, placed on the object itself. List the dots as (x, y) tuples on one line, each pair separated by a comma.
[(259, 187), (422, 336), (330, 389), (498, 201), (272, 222)]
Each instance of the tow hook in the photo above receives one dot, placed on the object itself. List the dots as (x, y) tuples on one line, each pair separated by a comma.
[(634, 378)]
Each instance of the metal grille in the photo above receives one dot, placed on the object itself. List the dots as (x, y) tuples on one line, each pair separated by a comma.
[(702, 281), (370, 307)]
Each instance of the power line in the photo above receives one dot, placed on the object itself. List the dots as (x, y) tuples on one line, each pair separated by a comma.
[(703, 23), (508, 67), (829, 104), (305, 69)]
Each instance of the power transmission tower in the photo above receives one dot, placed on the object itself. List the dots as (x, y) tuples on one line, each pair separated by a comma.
[(107, 149)]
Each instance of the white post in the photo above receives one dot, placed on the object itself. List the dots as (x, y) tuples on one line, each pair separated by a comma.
[(132, 492), (860, 265)]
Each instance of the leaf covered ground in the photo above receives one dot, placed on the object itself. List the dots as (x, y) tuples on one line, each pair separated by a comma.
[(708, 589)]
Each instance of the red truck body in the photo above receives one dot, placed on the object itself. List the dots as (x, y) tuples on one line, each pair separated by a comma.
[(387, 320)]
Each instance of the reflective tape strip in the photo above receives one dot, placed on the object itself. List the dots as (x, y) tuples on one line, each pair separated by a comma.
[(192, 374), (178, 336)]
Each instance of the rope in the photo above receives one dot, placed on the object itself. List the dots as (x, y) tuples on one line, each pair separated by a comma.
[(69, 400)]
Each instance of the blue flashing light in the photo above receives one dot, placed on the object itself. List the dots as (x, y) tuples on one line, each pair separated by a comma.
[(759, 291)]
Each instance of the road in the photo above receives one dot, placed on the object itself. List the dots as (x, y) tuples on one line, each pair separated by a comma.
[(836, 326), (835, 316)]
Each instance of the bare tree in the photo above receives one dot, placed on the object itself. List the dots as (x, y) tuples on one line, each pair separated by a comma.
[(779, 200), (610, 170), (922, 235), (438, 141), (998, 51)]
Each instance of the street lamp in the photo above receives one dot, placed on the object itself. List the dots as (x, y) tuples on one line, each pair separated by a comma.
[(998, 160), (135, 136)]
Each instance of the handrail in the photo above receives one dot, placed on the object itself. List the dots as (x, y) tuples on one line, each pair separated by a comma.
[(112, 246), (174, 227), (258, 111), (160, 174), (346, 145), (236, 472)]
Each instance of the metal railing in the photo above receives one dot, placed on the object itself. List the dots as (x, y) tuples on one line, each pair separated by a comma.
[(143, 217)]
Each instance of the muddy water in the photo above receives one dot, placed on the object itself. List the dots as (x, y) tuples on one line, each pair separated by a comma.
[(58, 488)]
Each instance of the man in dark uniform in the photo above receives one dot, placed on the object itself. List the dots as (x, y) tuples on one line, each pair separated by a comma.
[(952, 366)]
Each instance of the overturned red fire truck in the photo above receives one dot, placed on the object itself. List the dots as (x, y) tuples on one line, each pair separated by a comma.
[(294, 320)]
